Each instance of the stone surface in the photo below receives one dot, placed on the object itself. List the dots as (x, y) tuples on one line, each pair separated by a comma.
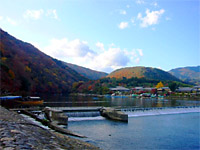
[(19, 133)]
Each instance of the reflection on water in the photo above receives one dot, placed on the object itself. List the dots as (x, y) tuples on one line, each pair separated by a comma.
[(83, 101)]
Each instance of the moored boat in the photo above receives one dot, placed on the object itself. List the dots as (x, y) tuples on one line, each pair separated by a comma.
[(30, 100), (9, 101)]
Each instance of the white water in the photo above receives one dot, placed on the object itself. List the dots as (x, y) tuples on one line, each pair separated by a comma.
[(166, 111), (140, 113), (85, 118), (34, 121)]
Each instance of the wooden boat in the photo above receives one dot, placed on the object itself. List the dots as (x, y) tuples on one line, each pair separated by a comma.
[(31, 101)]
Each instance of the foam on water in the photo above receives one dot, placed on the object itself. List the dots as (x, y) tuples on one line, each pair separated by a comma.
[(34, 121), (162, 111)]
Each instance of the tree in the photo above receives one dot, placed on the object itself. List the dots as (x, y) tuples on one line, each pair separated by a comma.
[(173, 86), (12, 74), (159, 85)]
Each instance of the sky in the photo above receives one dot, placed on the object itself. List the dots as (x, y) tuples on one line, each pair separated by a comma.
[(105, 35)]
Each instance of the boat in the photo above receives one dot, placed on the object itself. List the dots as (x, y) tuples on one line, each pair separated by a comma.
[(135, 95), (9, 101), (160, 97), (30, 100)]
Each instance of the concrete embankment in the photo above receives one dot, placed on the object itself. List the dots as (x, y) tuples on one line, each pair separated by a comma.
[(114, 114), (19, 133)]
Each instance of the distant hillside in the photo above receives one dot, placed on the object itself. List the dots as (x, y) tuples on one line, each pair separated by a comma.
[(142, 72), (26, 69), (188, 74), (88, 73)]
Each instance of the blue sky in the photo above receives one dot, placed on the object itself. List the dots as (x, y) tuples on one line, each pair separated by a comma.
[(109, 34)]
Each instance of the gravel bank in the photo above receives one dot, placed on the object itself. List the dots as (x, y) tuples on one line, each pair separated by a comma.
[(17, 133)]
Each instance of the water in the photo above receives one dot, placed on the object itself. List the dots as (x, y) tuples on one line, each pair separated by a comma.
[(152, 129), (167, 128), (178, 131), (81, 101), (83, 114)]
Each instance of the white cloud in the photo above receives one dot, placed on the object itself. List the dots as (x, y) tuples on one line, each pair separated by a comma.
[(139, 1), (137, 60), (127, 6), (33, 14), (140, 52), (38, 14), (64, 48), (111, 45), (155, 4), (139, 16), (111, 59), (8, 20), (123, 25), (133, 20), (78, 52), (11, 21), (52, 13), (100, 46), (151, 18), (122, 12)]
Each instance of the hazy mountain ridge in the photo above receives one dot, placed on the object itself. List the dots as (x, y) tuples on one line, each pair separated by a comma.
[(26, 69), (188, 74), (88, 73), (142, 72)]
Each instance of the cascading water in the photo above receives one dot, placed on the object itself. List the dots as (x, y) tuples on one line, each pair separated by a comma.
[(136, 112), (87, 115), (83, 114)]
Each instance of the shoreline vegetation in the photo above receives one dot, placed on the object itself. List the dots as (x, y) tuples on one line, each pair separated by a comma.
[(19, 133)]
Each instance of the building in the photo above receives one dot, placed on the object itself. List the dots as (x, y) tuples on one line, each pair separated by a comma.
[(184, 90), (119, 89)]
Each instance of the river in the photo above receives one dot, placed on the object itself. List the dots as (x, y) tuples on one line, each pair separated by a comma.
[(177, 129), (84, 101)]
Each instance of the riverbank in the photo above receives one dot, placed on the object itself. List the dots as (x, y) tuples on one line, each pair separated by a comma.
[(18, 133), (184, 97)]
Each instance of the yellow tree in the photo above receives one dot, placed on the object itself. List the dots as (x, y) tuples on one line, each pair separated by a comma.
[(159, 85)]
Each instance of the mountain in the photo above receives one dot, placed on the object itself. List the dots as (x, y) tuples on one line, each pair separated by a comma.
[(142, 72), (88, 73), (187, 74), (26, 69)]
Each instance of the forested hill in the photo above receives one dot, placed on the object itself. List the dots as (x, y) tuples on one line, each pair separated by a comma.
[(26, 69), (188, 74), (142, 72), (88, 73)]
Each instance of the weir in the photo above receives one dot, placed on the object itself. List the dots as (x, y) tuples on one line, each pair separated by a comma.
[(136, 112), (83, 114), (132, 109), (93, 113)]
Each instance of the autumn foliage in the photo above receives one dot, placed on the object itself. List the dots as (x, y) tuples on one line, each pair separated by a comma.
[(142, 72), (26, 69)]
